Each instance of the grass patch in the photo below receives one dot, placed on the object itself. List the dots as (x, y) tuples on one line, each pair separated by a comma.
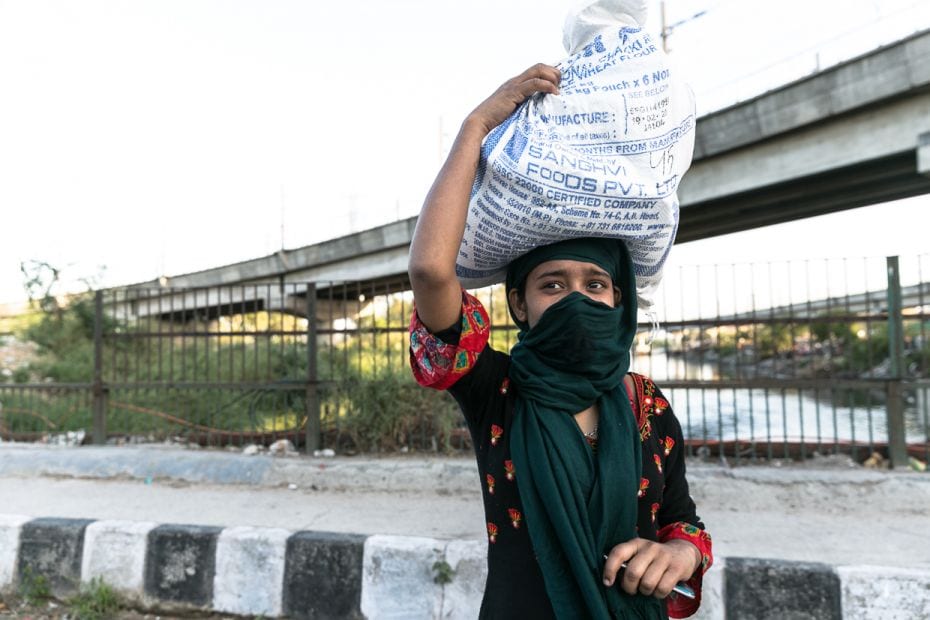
[(97, 600), (34, 589), (444, 572)]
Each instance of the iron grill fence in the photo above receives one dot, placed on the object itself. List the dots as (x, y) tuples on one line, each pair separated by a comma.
[(758, 361)]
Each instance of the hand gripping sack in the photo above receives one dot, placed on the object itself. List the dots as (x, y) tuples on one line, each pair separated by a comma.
[(601, 159)]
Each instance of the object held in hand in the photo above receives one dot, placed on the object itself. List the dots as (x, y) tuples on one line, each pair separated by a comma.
[(680, 587)]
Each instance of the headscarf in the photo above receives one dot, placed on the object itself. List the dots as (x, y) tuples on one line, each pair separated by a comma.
[(579, 504)]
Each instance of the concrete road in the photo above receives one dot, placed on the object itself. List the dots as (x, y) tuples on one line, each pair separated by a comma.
[(832, 513)]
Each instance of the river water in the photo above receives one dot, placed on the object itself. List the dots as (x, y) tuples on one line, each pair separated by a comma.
[(813, 416)]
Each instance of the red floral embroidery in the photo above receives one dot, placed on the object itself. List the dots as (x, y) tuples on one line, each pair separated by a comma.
[(505, 385), (439, 365), (496, 433), (668, 443), (643, 485), (490, 479), (651, 404), (492, 533), (658, 462), (645, 390), (653, 510), (645, 430), (660, 405), (515, 517), (508, 467)]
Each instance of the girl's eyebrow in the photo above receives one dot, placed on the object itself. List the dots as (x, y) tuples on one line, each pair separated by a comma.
[(562, 273)]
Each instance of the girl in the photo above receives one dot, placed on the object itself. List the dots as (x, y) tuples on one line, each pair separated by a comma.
[(575, 484)]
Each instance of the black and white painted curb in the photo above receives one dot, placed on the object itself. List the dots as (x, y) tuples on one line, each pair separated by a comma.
[(273, 572)]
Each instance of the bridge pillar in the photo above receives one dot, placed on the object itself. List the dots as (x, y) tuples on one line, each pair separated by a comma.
[(923, 154)]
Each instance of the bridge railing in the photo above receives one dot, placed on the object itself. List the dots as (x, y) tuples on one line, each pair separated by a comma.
[(759, 361)]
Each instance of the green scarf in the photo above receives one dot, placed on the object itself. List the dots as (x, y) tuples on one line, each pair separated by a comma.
[(578, 503)]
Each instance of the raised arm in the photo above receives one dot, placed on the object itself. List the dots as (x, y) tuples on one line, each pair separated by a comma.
[(441, 224)]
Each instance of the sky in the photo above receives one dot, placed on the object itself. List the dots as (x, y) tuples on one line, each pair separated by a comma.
[(160, 137)]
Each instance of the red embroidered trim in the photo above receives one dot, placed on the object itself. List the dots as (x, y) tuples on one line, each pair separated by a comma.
[(679, 606), (439, 365), (645, 389)]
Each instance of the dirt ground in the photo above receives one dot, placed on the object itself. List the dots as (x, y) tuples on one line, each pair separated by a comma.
[(58, 610)]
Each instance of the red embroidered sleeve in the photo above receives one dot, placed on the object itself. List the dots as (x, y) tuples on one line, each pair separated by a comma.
[(680, 606), (439, 365)]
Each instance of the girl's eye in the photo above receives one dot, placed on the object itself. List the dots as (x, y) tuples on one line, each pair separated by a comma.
[(552, 285), (597, 285)]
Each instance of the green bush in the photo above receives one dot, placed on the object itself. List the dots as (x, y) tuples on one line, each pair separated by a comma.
[(66, 342), (391, 412)]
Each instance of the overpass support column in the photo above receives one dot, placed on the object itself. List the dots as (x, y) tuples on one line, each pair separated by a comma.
[(923, 154)]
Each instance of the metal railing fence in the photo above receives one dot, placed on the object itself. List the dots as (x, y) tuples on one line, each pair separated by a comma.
[(758, 361)]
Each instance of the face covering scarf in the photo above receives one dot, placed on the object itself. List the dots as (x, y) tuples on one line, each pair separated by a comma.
[(578, 503)]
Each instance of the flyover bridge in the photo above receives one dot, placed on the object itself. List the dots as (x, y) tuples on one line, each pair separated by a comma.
[(853, 135)]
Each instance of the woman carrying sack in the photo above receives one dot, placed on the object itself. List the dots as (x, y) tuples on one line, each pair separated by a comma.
[(581, 462)]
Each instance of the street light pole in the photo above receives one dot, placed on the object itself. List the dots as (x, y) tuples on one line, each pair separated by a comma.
[(664, 26), (667, 28)]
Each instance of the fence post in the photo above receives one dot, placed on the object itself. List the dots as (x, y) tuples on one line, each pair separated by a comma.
[(897, 446), (99, 389), (312, 429)]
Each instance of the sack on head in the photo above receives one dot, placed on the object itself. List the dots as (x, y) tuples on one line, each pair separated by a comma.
[(601, 159)]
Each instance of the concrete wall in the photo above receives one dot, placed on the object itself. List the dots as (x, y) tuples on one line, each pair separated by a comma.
[(274, 572)]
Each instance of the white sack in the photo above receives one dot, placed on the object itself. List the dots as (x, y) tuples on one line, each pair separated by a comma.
[(601, 159)]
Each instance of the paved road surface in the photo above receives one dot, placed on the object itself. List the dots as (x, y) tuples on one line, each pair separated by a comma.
[(831, 513)]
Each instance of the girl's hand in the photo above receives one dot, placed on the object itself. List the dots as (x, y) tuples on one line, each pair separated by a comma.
[(441, 225), (539, 78), (652, 568)]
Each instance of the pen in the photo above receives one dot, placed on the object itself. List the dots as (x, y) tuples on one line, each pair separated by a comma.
[(680, 587)]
